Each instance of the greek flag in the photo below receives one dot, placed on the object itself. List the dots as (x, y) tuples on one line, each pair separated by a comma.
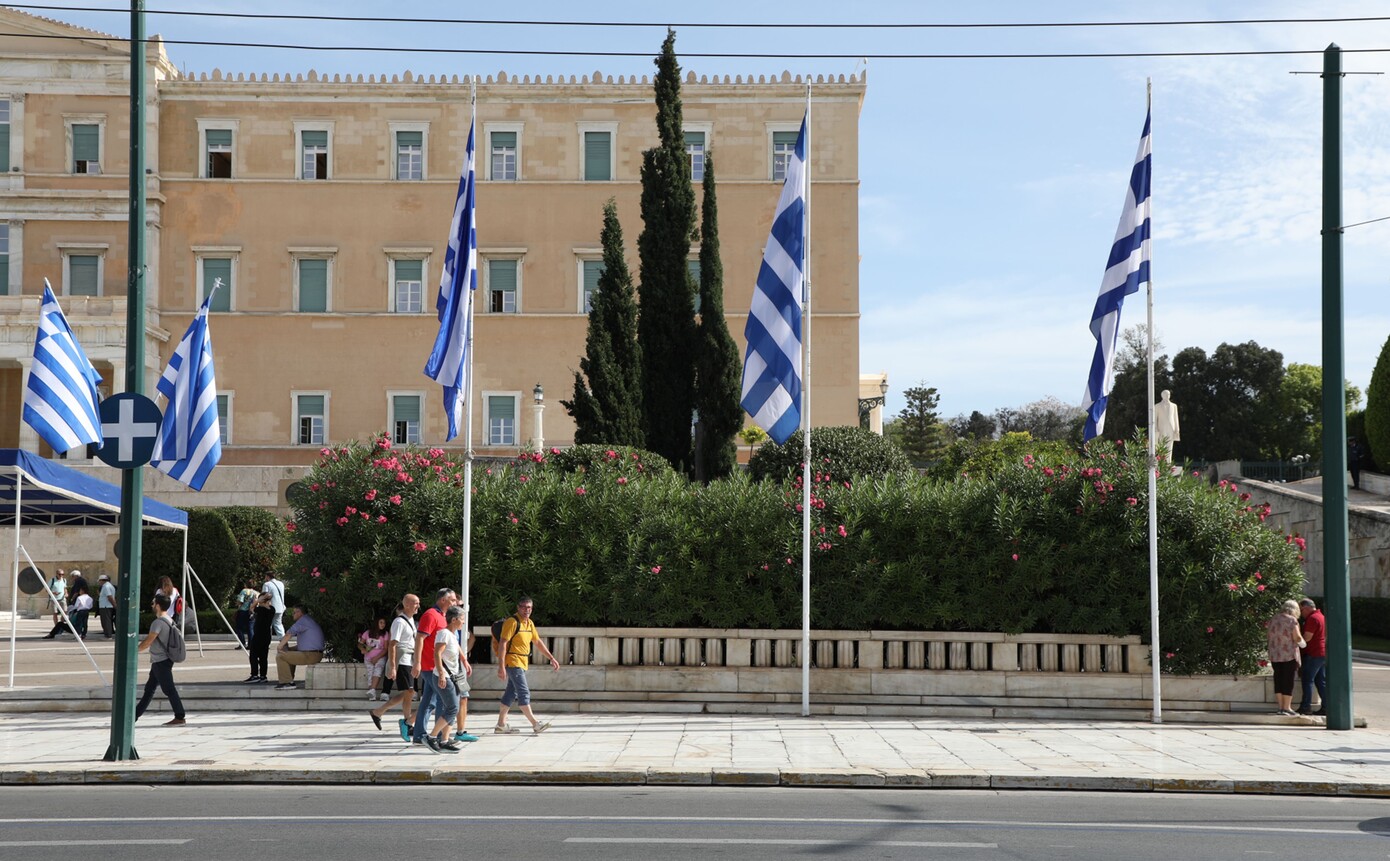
[(60, 399), (1126, 272), (448, 364), (772, 365), (189, 443)]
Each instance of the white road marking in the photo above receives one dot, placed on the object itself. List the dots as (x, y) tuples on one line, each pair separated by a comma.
[(21, 843), (731, 841)]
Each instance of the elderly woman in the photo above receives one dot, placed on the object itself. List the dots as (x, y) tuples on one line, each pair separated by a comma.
[(448, 663), (1284, 643)]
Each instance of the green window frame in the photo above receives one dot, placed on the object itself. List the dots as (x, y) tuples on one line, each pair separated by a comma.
[(695, 148), (4, 135), (502, 147), (84, 275), (218, 144), (598, 156), (310, 411), (593, 270), (214, 268), (501, 420), (86, 148), (407, 288), (4, 259), (502, 286), (224, 418), (313, 285), (410, 155), (783, 146), (405, 419)]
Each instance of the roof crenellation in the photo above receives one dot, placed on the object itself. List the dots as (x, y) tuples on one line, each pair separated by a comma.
[(503, 78)]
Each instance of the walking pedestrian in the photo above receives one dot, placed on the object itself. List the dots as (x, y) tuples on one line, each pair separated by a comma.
[(1314, 657), (276, 590), (167, 589), (262, 613), (58, 589), (449, 678), (106, 606), (400, 651), (161, 664), (245, 600), (518, 635), (372, 644), (431, 623)]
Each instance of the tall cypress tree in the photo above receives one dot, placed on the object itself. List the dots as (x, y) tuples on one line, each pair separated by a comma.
[(717, 370), (608, 407), (666, 327)]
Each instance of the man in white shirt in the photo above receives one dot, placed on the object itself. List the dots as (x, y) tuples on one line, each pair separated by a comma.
[(106, 605), (400, 658), (276, 590)]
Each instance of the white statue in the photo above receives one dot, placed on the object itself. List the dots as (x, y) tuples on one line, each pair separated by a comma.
[(1166, 419)]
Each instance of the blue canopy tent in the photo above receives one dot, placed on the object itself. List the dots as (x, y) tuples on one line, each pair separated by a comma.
[(39, 492)]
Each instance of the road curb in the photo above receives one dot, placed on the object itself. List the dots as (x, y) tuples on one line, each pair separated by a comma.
[(836, 778)]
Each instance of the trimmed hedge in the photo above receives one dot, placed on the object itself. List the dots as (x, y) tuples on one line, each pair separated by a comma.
[(1046, 544), (212, 551), (1370, 616), (843, 453)]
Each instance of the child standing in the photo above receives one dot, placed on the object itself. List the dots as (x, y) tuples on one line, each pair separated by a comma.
[(372, 644)]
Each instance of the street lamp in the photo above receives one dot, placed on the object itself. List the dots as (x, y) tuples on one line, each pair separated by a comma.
[(538, 393), (866, 405), (538, 396)]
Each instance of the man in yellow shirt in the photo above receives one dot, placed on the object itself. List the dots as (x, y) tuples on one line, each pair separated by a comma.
[(514, 651)]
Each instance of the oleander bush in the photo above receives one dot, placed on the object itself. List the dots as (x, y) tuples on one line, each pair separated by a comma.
[(841, 452), (1047, 542)]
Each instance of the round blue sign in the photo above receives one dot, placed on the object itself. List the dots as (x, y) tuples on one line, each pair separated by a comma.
[(129, 425)]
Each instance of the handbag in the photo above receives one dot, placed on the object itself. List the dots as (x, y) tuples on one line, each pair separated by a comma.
[(460, 680)]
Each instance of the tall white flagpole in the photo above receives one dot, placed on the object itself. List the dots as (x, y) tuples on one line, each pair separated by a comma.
[(806, 421), (1157, 653), (14, 581), (466, 550)]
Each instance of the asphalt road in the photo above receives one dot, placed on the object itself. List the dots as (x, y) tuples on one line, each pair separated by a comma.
[(615, 824)]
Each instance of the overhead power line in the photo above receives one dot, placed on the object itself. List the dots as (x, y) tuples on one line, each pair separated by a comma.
[(388, 49), (730, 25)]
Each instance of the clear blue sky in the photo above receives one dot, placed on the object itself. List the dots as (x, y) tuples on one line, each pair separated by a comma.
[(991, 189)]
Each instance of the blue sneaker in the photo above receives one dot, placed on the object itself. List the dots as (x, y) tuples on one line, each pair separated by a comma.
[(405, 730), (463, 736)]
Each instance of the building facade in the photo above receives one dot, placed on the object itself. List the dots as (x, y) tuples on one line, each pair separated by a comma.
[(322, 204)]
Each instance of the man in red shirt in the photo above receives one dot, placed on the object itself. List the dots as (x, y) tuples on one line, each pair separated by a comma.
[(431, 622), (1314, 657)]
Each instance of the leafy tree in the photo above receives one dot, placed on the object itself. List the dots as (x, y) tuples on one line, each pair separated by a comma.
[(918, 423), (976, 426), (717, 367), (1378, 410), (1045, 419), (212, 553), (666, 328), (1300, 405), (608, 407)]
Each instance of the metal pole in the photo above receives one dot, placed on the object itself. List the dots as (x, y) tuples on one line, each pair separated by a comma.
[(806, 422), (14, 581), (466, 551), (1157, 654), (1334, 407), (122, 746)]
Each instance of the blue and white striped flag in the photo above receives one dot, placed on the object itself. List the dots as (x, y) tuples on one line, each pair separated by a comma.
[(189, 443), (60, 400), (772, 366), (449, 360), (1125, 273)]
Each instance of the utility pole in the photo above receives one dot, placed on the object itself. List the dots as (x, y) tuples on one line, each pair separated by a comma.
[(127, 620), (1336, 582)]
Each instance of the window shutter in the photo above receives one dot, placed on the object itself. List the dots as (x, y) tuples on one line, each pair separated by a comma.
[(310, 405), (593, 270), (784, 139), (504, 140), (404, 139), (597, 156), (82, 275), (312, 138), (313, 285), (501, 407), (86, 143), (219, 137), (406, 407), (501, 276), (695, 139), (214, 268), (408, 270), (4, 137)]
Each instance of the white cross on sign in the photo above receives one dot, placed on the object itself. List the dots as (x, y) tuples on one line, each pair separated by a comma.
[(126, 430)]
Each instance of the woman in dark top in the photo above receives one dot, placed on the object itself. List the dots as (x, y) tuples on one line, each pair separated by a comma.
[(262, 620)]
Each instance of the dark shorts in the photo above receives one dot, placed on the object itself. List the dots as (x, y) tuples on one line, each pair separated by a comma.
[(1283, 676), (402, 682)]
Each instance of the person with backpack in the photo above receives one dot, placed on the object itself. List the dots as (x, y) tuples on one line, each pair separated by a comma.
[(166, 588), (166, 647), (400, 657), (514, 637)]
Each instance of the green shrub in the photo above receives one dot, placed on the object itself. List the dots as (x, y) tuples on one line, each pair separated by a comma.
[(982, 458), (1378, 411), (1370, 616), (262, 543), (843, 453), (593, 459), (212, 552), (1048, 543), (1356, 426)]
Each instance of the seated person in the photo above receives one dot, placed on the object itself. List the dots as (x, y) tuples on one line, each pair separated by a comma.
[(308, 648)]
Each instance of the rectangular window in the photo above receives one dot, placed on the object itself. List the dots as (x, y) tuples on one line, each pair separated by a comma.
[(86, 148), (503, 146), (501, 286), (408, 289), (4, 260), (592, 270), (84, 277), (313, 285), (224, 418), (314, 154), (410, 155), (405, 419), (598, 156), (311, 419), (501, 420), (219, 148), (783, 147), (693, 267), (215, 268), (695, 148), (4, 135)]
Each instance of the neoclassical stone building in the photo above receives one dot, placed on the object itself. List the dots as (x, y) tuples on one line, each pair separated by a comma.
[(323, 203)]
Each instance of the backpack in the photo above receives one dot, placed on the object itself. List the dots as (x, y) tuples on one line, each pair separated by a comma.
[(497, 628), (175, 645)]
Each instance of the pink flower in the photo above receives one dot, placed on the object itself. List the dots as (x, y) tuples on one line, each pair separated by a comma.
[(396, 499), (1264, 663), (514, 520), (380, 585), (554, 450), (656, 569), (1233, 587), (369, 495), (1132, 501), (1210, 630), (325, 452), (1167, 654), (350, 510), (314, 486), (448, 550), (489, 471), (580, 491), (403, 477), (290, 527), (523, 479), (789, 560), (1260, 588), (1259, 576), (298, 548), (1302, 545), (610, 454), (315, 573), (381, 518), (342, 521), (1015, 557), (420, 546), (764, 566), (622, 479), (842, 531)]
